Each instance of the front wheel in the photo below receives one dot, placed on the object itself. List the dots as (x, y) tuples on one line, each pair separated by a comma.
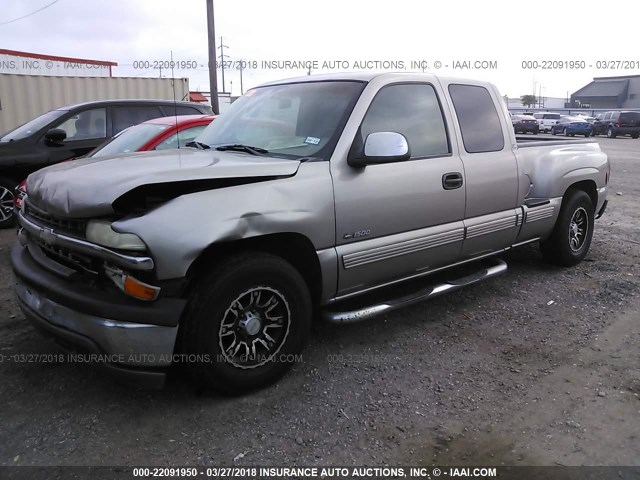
[(571, 237), (246, 323), (7, 217)]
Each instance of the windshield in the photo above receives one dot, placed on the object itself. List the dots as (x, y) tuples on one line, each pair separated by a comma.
[(290, 121), (32, 126), (129, 140)]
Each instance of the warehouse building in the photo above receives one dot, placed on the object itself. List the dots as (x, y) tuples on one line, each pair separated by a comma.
[(609, 93)]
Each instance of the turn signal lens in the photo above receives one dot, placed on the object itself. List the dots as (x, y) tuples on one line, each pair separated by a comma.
[(140, 290)]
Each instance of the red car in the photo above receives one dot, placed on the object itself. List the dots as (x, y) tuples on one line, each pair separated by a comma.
[(156, 134)]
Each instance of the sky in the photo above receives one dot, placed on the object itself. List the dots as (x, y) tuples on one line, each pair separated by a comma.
[(550, 48)]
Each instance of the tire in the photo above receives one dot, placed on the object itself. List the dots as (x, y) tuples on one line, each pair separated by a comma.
[(587, 135), (553, 132), (610, 133), (569, 242), (635, 135), (535, 132), (7, 217), (565, 133), (250, 300)]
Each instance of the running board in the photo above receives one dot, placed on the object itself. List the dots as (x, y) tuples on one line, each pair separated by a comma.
[(370, 311)]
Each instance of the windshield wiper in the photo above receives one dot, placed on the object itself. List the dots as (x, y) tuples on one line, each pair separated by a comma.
[(198, 145), (243, 148)]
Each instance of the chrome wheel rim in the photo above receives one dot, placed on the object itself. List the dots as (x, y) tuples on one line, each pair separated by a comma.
[(578, 227), (6, 204), (254, 327)]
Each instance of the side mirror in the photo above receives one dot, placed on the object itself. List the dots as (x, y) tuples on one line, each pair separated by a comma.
[(381, 147), (55, 136)]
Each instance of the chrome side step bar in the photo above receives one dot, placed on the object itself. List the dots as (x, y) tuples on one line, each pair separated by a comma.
[(370, 311)]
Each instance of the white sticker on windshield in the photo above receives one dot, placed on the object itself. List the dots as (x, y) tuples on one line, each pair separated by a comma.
[(312, 140)]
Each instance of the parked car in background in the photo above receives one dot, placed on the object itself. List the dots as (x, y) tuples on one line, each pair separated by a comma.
[(524, 124), (156, 134), (546, 120), (572, 126), (616, 123), (69, 132), (585, 117)]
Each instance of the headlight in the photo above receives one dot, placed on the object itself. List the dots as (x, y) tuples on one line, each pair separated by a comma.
[(100, 232)]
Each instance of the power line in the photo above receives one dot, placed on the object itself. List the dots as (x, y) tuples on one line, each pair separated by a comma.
[(29, 14)]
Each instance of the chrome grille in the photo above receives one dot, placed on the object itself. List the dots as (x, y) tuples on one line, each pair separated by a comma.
[(72, 226), (68, 258)]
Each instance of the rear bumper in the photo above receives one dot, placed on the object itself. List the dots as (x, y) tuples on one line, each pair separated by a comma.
[(132, 341)]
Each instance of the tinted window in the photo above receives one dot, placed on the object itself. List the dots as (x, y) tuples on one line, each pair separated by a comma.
[(630, 117), (125, 116), (478, 118), (552, 116), (85, 125), (180, 110), (180, 139), (412, 110)]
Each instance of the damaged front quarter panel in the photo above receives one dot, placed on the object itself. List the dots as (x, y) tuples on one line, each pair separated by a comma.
[(178, 231)]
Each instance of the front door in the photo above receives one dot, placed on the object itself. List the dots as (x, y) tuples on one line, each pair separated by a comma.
[(400, 219), (85, 130)]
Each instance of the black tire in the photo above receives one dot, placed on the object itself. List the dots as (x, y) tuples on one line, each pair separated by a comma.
[(565, 247), (227, 310), (610, 133), (553, 132), (7, 193), (587, 135), (635, 135), (535, 132)]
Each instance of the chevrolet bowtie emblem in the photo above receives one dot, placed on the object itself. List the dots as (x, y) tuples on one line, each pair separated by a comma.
[(47, 236)]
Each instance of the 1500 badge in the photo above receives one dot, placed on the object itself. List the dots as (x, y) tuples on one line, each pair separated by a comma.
[(358, 234)]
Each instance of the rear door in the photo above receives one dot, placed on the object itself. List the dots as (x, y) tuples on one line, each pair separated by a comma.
[(124, 116), (491, 219)]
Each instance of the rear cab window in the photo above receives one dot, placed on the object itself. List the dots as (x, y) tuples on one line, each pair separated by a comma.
[(478, 118)]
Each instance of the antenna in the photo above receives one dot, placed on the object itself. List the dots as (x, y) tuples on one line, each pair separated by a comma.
[(175, 105)]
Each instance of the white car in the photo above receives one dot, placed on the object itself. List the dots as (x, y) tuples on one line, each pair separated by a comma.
[(546, 120)]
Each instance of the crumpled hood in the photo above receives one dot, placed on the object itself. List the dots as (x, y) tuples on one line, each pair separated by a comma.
[(88, 187)]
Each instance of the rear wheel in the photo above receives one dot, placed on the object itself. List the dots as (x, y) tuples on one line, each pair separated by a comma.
[(571, 237), (635, 135), (7, 188), (246, 322), (610, 133)]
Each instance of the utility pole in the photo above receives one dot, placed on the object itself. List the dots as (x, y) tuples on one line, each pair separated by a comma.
[(241, 68), (213, 76), (222, 55)]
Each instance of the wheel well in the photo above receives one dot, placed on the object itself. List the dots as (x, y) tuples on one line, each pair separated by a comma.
[(293, 247), (588, 186)]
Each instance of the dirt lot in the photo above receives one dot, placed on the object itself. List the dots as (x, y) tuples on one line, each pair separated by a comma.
[(540, 366)]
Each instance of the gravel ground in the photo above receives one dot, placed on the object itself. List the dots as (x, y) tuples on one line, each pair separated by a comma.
[(537, 367)]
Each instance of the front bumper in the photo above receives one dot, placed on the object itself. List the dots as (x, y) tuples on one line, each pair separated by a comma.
[(135, 339)]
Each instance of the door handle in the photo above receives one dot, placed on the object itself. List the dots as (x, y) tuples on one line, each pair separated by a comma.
[(451, 181)]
